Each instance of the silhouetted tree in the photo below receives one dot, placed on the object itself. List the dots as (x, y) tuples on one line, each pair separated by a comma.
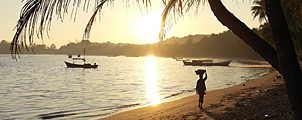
[(53, 46), (290, 67), (258, 10), (35, 11), (256, 42)]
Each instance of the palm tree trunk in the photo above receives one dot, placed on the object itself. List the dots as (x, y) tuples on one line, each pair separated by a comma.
[(243, 32), (287, 57)]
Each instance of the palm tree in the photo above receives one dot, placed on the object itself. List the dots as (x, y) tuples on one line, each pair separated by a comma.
[(293, 15), (288, 60), (259, 10), (36, 17), (41, 11), (230, 21), (293, 19), (286, 55)]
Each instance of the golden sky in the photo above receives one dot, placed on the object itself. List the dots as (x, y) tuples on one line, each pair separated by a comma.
[(122, 24)]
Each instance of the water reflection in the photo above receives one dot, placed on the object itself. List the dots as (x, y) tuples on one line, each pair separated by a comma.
[(151, 79)]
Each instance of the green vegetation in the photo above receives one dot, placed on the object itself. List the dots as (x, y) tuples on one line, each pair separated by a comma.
[(282, 56), (292, 17), (222, 45)]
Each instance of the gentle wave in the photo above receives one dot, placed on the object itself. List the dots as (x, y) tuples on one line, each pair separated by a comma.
[(78, 112), (41, 87)]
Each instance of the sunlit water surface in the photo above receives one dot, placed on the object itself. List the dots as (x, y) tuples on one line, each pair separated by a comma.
[(42, 87)]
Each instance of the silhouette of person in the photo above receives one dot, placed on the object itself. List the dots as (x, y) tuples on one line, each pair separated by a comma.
[(201, 86)]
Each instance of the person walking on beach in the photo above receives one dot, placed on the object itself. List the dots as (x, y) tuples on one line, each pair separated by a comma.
[(201, 86)]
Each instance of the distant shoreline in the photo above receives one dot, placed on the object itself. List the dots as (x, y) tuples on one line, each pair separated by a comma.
[(225, 44), (243, 59)]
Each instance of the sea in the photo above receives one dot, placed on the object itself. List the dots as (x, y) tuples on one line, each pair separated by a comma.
[(37, 87)]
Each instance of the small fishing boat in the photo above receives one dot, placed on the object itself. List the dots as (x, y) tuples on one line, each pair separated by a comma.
[(85, 65), (178, 58), (206, 63), (75, 64)]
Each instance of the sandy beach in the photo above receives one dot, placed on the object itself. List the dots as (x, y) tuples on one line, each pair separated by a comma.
[(262, 98)]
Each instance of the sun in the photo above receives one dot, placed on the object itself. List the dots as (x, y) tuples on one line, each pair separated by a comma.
[(148, 26)]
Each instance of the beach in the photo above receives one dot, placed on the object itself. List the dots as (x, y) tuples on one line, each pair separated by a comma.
[(262, 98)]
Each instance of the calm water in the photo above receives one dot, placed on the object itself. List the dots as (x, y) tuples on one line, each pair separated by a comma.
[(42, 87)]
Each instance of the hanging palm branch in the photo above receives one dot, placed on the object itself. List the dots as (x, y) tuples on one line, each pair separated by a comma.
[(36, 17), (259, 10), (178, 8), (97, 10)]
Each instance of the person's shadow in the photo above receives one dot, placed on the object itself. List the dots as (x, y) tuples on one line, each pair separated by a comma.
[(208, 113)]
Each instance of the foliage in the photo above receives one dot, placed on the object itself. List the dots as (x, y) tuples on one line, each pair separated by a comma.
[(293, 17), (259, 10), (224, 44), (36, 17)]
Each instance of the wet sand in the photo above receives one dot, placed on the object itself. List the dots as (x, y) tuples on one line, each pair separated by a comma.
[(262, 98)]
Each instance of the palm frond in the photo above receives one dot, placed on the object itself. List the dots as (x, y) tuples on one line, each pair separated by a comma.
[(36, 17), (98, 8), (178, 8), (258, 10)]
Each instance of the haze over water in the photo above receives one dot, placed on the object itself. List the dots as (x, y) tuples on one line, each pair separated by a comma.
[(42, 87)]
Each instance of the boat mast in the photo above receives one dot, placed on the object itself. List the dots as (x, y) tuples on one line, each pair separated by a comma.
[(84, 55), (84, 44)]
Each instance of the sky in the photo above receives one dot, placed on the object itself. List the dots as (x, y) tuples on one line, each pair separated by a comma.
[(125, 23)]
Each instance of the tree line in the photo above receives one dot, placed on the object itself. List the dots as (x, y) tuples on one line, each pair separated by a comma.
[(282, 56), (221, 45)]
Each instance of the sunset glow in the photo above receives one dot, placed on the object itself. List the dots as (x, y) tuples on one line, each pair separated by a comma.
[(148, 27), (122, 24), (151, 79)]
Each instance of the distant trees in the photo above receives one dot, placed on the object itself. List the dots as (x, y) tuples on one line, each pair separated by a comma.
[(37, 49), (53, 46), (283, 58), (222, 45), (4, 47)]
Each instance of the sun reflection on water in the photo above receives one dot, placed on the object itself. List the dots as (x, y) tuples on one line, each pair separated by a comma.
[(151, 78)]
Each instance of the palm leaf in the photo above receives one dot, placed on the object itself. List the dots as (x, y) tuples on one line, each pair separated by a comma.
[(36, 17), (178, 8), (92, 19), (258, 10)]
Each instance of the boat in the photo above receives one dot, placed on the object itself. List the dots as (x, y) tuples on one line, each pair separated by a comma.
[(85, 65), (206, 63), (77, 65), (178, 58)]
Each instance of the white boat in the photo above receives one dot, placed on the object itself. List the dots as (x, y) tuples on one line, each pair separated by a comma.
[(206, 63)]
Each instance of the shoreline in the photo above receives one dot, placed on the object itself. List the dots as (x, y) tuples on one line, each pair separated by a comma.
[(216, 102)]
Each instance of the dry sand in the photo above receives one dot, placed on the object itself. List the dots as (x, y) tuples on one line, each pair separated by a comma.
[(263, 98)]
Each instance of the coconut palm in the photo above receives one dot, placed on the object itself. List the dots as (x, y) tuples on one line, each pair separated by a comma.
[(293, 14), (286, 52), (258, 10), (228, 20), (36, 17), (293, 18), (37, 14), (285, 49)]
